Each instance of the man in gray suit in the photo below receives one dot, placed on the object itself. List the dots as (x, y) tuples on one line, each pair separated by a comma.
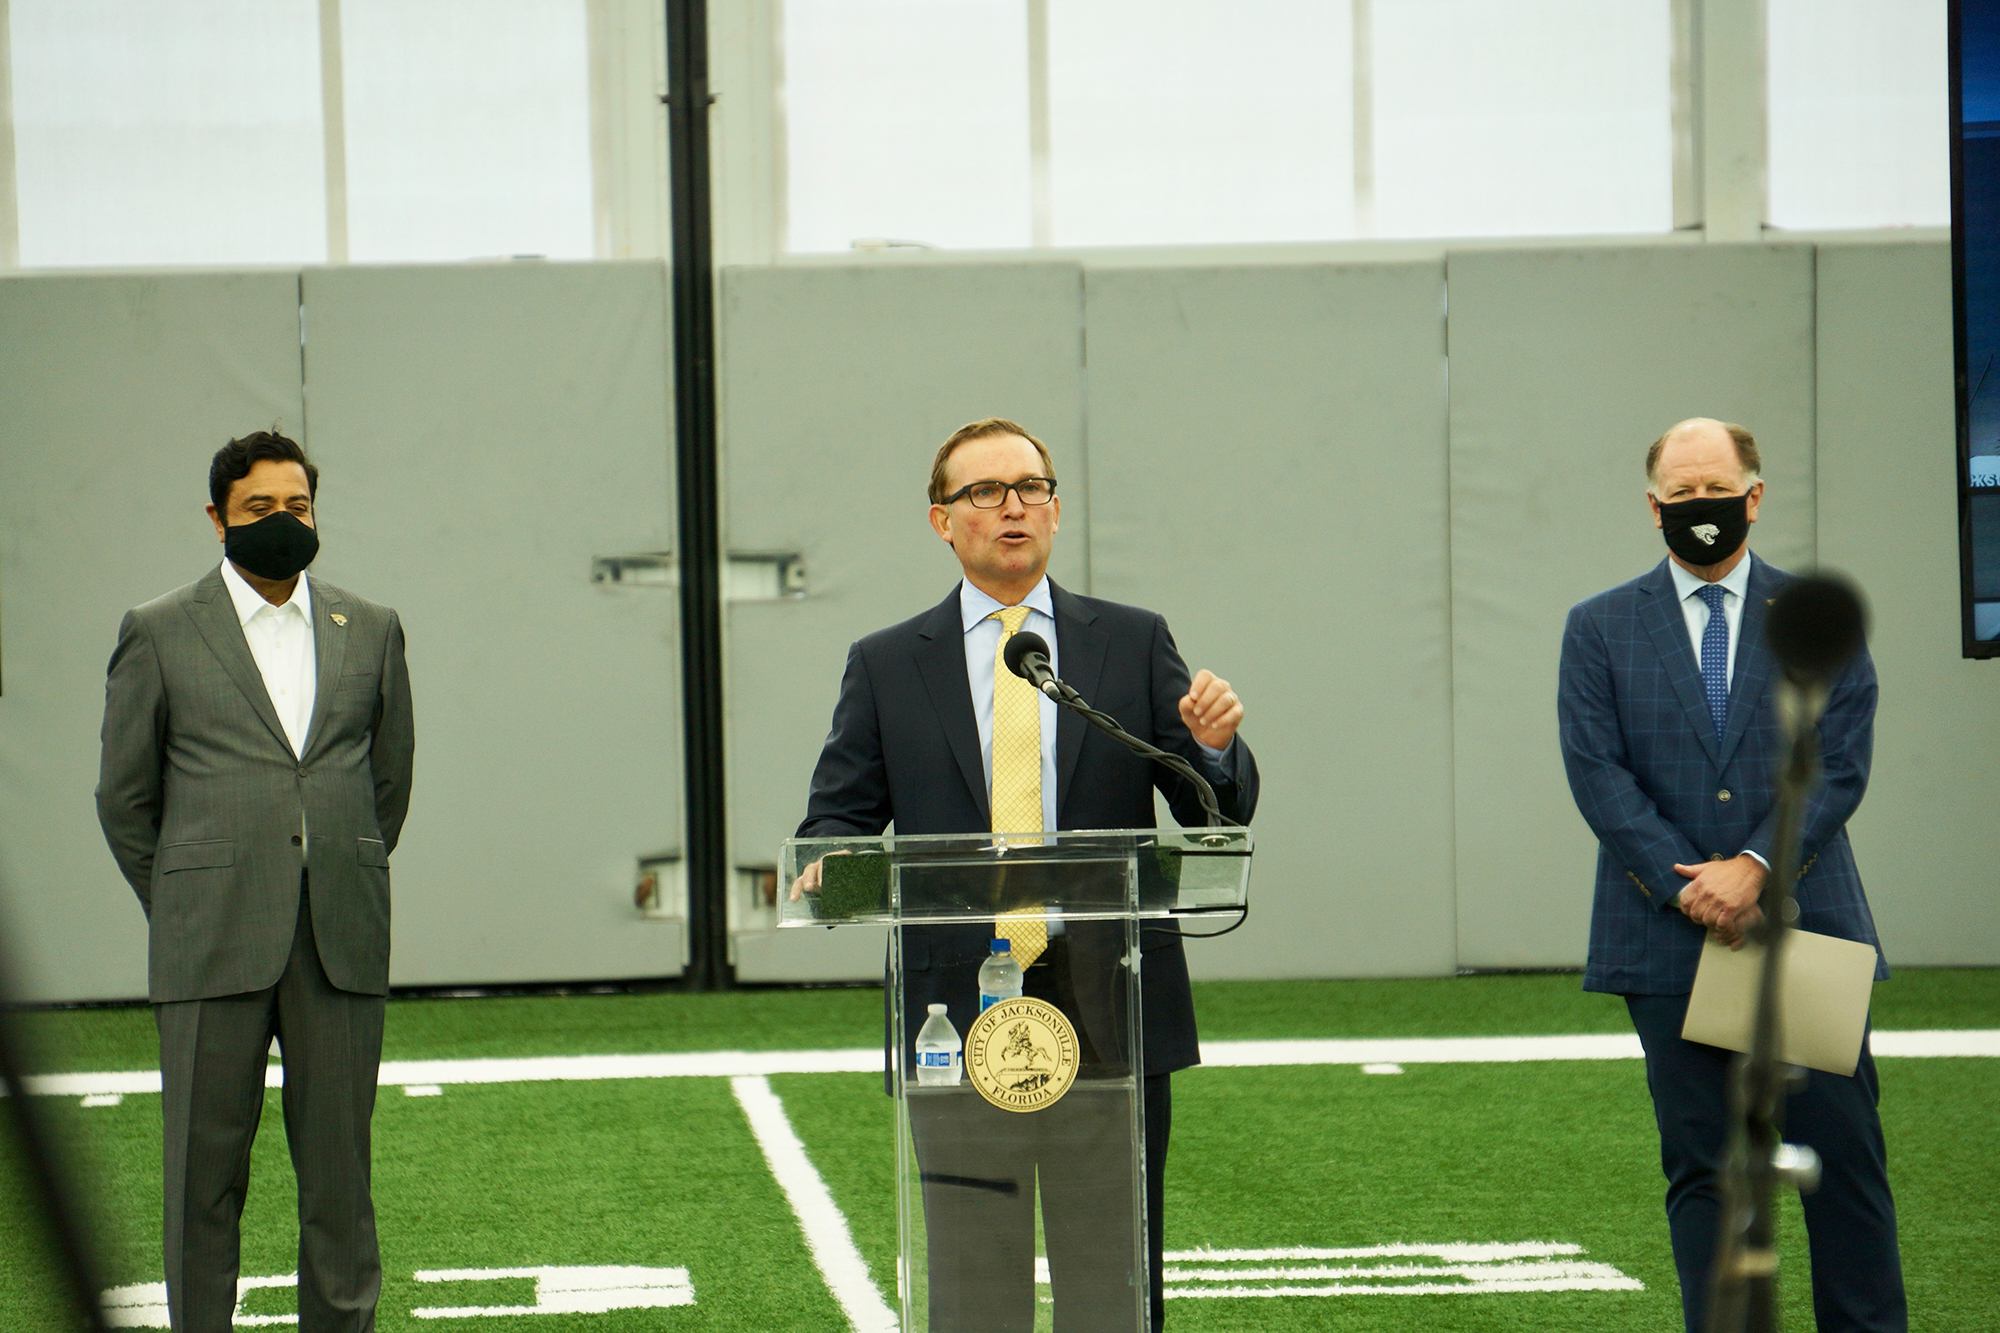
[(256, 770)]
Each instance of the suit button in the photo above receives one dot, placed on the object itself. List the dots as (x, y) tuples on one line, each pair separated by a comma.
[(297, 841), (1725, 795), (1722, 795), (1713, 856)]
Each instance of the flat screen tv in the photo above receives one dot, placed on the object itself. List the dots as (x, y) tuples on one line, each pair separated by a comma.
[(1975, 257)]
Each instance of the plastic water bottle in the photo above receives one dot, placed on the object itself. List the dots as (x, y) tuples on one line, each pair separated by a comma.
[(940, 1054), (999, 976)]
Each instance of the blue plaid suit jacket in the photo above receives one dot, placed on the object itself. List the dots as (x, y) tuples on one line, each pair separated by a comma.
[(1658, 787)]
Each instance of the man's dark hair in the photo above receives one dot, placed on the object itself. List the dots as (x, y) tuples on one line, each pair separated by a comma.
[(234, 460)]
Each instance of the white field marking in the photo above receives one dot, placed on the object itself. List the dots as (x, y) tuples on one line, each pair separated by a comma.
[(585, 1290), (141, 1305), (1422, 1050), (422, 1090), (1517, 1269), (1381, 1069), (1458, 1252), (144, 1304), (825, 1227), (1953, 1042), (1459, 1268), (1616, 1281), (104, 1099)]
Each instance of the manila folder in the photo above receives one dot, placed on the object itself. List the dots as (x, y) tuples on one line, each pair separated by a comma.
[(1823, 989)]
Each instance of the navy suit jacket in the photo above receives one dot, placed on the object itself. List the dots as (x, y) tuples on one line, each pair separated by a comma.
[(904, 750), (1659, 787)]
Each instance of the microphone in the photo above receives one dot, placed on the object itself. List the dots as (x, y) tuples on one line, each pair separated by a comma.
[(1027, 656), (1815, 625)]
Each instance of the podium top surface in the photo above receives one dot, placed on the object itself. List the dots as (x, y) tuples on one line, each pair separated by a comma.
[(1094, 874)]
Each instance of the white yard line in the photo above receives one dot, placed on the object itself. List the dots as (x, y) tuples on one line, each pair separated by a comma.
[(867, 1060), (825, 1227), (1461, 1252)]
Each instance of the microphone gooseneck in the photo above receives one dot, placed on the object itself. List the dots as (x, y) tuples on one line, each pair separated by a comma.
[(1026, 654)]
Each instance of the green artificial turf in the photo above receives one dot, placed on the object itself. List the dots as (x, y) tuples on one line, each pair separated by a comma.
[(1530, 1004), (1326, 1156), (656, 1173), (666, 1173)]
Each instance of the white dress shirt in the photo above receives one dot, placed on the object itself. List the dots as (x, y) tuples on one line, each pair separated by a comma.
[(1735, 587), (281, 642)]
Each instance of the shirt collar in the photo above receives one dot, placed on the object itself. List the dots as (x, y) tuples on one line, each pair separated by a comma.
[(249, 601), (974, 605), (1736, 580)]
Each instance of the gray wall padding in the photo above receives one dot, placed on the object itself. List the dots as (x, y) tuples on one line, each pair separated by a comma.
[(1565, 366), (115, 390), (484, 431), (1926, 836), (1267, 457), (1266, 453), (837, 386)]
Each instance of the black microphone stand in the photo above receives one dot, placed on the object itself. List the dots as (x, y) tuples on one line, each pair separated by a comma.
[(1814, 627), (1743, 1287)]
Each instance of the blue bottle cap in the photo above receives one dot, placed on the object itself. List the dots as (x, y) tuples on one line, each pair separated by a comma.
[(1003, 946)]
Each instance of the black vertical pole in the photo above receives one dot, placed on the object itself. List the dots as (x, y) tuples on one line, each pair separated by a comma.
[(693, 277)]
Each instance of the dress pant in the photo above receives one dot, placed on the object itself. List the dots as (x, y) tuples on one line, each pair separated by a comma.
[(1857, 1271), (213, 1055), (983, 1168)]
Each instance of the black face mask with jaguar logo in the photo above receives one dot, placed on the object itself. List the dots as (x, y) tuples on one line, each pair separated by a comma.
[(1707, 531)]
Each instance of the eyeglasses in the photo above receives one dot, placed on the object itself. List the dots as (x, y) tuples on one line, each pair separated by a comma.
[(993, 494)]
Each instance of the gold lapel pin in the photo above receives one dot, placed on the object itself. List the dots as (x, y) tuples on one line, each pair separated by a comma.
[(338, 619)]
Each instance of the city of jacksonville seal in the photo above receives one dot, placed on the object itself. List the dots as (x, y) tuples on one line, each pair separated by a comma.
[(1021, 1054)]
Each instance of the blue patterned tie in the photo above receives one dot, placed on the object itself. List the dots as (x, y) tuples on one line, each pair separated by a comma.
[(1715, 656)]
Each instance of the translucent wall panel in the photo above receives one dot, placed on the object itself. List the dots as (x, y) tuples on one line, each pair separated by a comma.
[(1859, 114), (907, 119), (1182, 121), (1522, 118), (168, 131), (468, 128)]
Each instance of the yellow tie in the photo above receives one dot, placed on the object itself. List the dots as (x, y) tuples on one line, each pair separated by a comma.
[(1017, 777)]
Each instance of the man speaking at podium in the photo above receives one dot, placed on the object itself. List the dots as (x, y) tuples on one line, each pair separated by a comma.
[(1670, 735), (926, 706)]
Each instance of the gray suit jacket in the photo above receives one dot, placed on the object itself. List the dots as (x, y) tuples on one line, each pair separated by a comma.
[(201, 796)]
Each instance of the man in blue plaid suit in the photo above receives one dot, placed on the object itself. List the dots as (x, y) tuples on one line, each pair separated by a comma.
[(1670, 737)]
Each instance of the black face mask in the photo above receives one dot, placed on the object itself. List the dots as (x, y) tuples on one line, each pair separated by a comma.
[(276, 546), (1706, 532)]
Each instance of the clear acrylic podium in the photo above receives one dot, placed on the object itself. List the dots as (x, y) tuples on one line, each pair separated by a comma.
[(1048, 1105)]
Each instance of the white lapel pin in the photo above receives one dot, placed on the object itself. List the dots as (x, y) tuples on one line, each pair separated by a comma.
[(337, 618)]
